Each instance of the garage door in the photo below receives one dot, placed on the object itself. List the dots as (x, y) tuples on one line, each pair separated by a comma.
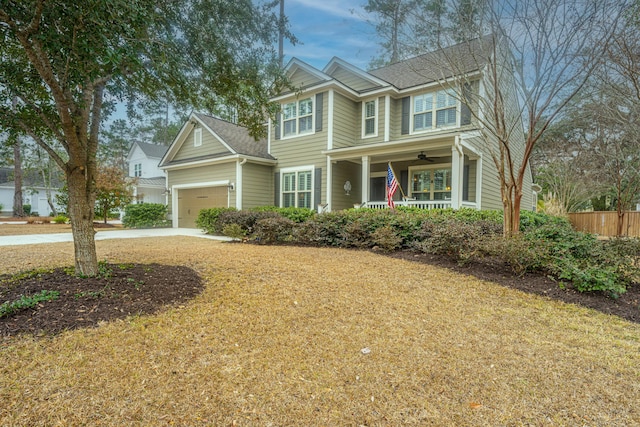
[(192, 200)]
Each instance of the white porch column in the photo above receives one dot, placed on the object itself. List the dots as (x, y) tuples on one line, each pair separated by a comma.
[(457, 170), (365, 179), (329, 184)]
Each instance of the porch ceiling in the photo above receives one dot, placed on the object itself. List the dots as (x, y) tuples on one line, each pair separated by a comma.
[(394, 151)]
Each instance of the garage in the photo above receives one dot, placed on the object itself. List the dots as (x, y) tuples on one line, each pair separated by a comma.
[(192, 200)]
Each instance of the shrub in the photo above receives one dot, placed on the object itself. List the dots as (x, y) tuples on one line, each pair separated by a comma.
[(26, 209), (245, 219), (234, 231), (145, 215), (450, 237), (294, 214), (274, 230), (208, 218), (60, 219), (386, 239)]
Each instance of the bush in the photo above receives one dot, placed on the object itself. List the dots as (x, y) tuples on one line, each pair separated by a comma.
[(245, 219), (294, 214), (60, 219), (234, 231), (208, 218), (26, 209), (145, 215), (451, 237), (386, 239), (274, 230)]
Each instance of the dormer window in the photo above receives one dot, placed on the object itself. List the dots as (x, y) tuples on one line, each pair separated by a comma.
[(434, 110), (297, 117), (370, 118)]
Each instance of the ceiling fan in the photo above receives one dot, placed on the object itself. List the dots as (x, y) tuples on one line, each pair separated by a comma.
[(423, 156)]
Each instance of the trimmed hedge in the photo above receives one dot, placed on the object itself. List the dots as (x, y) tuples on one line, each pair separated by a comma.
[(547, 244), (145, 215)]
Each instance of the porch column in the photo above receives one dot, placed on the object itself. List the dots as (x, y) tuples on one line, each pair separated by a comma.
[(329, 184), (365, 179), (457, 170)]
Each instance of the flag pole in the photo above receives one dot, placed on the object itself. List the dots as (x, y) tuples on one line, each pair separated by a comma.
[(399, 184)]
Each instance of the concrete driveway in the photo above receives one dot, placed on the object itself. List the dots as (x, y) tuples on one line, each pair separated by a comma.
[(103, 235)]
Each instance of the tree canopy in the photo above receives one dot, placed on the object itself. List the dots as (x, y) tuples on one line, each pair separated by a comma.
[(67, 62)]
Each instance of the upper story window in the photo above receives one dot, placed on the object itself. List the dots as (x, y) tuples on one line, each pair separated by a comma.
[(137, 169), (197, 137), (434, 110), (297, 117), (370, 118)]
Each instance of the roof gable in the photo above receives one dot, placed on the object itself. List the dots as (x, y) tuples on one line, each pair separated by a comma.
[(301, 74), (152, 151), (352, 76), (230, 140)]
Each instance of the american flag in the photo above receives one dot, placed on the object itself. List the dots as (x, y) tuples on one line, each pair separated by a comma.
[(392, 186)]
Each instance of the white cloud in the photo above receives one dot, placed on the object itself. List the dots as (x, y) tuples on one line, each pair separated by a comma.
[(339, 8)]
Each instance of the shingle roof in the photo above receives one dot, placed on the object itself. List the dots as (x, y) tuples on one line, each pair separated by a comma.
[(236, 137), (437, 65), (152, 150)]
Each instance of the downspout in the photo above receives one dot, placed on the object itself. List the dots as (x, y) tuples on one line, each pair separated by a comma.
[(238, 186)]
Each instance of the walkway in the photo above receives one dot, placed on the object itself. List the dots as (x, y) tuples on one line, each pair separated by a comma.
[(32, 239)]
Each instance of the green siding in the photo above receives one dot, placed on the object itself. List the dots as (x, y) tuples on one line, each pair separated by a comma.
[(352, 80), (346, 121), (257, 185), (346, 171), (301, 78), (210, 145)]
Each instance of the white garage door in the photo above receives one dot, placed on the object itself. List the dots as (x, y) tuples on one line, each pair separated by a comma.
[(192, 200)]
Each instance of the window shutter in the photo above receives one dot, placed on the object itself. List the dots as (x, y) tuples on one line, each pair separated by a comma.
[(317, 186), (406, 111), (319, 107), (278, 122), (276, 186)]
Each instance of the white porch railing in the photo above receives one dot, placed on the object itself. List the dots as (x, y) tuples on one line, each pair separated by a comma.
[(421, 204)]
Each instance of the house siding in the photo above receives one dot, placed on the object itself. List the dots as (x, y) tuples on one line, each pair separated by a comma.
[(210, 145), (301, 78), (257, 185), (346, 121), (342, 172), (350, 79)]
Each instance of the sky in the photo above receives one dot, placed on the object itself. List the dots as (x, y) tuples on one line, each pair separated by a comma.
[(328, 28)]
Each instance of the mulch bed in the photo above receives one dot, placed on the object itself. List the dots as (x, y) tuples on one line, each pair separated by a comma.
[(626, 305), (136, 289), (131, 289)]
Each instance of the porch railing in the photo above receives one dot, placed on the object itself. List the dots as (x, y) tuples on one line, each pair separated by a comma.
[(421, 204)]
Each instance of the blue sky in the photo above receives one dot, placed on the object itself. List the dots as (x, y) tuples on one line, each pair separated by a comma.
[(327, 28)]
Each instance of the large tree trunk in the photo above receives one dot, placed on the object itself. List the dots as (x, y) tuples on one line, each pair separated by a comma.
[(81, 205), (18, 208)]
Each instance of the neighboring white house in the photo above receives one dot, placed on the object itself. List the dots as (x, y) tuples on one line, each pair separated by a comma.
[(34, 193), (150, 186)]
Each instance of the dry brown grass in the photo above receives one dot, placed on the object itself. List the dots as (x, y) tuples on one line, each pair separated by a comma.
[(40, 228), (276, 339)]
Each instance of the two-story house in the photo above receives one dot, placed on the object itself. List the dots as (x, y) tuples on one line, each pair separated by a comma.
[(332, 143), (149, 180)]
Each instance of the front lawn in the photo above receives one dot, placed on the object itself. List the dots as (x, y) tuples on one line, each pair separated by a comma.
[(321, 336)]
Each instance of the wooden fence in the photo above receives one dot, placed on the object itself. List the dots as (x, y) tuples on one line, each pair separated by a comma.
[(605, 223)]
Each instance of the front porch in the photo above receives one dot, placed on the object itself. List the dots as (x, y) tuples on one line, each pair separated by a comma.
[(435, 175)]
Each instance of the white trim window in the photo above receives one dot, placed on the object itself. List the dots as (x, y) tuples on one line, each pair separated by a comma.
[(297, 189), (434, 110), (197, 137), (137, 170), (370, 118), (297, 117)]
